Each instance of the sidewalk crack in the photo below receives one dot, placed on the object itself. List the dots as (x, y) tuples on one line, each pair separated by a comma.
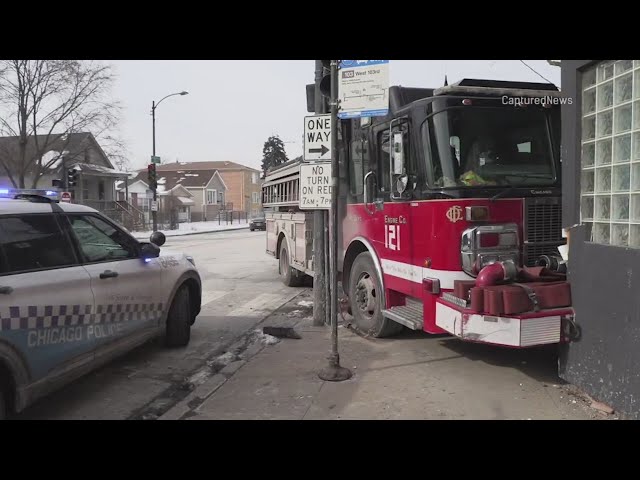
[(313, 401)]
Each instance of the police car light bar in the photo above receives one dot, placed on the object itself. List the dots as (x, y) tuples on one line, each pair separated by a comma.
[(52, 195)]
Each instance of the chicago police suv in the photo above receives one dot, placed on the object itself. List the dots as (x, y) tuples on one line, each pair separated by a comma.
[(77, 290)]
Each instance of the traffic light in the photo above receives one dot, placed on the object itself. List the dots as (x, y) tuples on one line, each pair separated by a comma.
[(72, 177), (325, 89), (153, 179), (325, 82)]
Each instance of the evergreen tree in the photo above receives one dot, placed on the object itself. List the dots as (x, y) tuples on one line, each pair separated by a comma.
[(273, 154)]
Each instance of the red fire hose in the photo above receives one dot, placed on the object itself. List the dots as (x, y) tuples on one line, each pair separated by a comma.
[(496, 272)]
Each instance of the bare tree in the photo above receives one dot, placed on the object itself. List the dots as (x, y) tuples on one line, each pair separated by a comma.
[(44, 102)]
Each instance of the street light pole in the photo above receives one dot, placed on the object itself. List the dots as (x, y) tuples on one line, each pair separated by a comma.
[(154, 213), (154, 105)]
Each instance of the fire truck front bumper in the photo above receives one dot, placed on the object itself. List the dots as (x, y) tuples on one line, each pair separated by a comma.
[(516, 331)]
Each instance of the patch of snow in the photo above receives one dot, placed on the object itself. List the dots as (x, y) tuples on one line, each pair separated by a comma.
[(56, 164), (226, 358), (162, 181), (305, 303), (198, 377), (195, 227), (192, 174), (265, 339)]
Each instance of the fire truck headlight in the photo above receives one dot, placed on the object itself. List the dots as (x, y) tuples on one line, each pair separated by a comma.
[(487, 244), (477, 214)]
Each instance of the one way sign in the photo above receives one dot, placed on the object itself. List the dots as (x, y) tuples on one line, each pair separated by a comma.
[(317, 138)]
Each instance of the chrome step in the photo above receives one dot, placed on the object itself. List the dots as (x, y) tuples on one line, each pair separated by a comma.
[(409, 315)]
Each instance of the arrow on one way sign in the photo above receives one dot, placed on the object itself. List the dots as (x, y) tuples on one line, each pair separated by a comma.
[(322, 150)]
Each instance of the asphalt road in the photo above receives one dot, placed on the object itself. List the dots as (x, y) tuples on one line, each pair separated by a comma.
[(241, 287)]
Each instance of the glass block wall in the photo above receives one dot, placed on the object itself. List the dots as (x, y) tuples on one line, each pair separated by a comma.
[(610, 158)]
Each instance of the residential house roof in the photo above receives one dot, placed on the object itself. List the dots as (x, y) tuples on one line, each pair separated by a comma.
[(187, 178), (204, 166), (162, 189), (76, 145)]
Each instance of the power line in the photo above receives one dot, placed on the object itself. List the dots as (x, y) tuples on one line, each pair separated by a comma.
[(530, 68)]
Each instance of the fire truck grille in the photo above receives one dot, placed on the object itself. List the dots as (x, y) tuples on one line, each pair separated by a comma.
[(542, 228)]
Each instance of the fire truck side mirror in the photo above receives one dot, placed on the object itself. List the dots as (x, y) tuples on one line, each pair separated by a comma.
[(397, 155), (454, 142)]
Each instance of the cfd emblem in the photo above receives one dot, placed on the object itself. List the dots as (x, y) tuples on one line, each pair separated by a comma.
[(454, 214)]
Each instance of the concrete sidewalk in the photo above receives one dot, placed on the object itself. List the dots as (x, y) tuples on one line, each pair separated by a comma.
[(413, 376)]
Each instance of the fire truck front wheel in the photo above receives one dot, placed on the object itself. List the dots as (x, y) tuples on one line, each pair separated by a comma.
[(288, 274), (365, 298)]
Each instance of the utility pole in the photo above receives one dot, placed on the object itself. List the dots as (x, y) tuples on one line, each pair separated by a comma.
[(334, 372), (154, 187), (320, 284)]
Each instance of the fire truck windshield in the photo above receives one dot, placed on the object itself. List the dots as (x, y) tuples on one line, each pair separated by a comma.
[(489, 146)]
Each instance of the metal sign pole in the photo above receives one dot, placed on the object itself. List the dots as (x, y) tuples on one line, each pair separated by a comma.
[(320, 245), (334, 372)]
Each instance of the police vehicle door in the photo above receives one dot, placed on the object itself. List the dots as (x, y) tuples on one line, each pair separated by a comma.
[(45, 295), (127, 289)]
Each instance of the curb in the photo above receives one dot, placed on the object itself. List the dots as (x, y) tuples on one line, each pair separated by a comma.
[(188, 406)]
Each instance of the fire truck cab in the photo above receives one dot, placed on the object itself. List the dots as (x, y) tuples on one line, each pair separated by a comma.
[(450, 211)]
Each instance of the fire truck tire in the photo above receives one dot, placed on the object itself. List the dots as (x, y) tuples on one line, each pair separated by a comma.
[(365, 299), (288, 274)]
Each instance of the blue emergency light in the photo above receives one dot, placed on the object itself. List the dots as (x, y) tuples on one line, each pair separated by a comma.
[(52, 195)]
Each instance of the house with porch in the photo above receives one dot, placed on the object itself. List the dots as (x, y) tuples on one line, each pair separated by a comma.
[(244, 185), (48, 158), (174, 203), (197, 194)]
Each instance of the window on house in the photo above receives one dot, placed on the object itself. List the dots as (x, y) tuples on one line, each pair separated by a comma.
[(221, 198), (255, 197), (254, 177), (610, 156), (211, 197)]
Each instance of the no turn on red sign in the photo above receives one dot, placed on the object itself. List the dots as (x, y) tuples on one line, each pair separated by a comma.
[(315, 186)]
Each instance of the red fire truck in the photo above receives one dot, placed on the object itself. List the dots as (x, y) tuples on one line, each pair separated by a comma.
[(450, 211)]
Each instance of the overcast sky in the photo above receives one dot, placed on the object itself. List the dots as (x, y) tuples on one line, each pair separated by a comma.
[(234, 106)]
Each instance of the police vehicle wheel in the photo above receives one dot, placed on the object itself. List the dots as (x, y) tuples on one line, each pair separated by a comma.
[(251, 229), (3, 404), (179, 319), (365, 299), (289, 275)]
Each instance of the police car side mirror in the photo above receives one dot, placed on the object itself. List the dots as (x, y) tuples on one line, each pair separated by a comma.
[(158, 238), (149, 250)]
